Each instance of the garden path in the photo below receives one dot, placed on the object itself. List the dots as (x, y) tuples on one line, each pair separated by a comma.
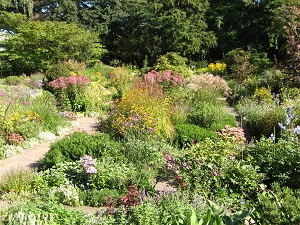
[(30, 157)]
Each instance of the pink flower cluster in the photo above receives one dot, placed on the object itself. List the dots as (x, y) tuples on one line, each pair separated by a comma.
[(88, 164), (167, 77), (64, 82), (15, 139), (235, 134)]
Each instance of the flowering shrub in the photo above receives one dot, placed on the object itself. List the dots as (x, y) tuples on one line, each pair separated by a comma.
[(207, 80), (88, 164), (263, 94), (234, 134), (217, 68), (142, 112), (15, 139), (70, 92), (166, 79), (211, 167)]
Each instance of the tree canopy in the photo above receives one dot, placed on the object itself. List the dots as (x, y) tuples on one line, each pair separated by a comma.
[(35, 45), (132, 30)]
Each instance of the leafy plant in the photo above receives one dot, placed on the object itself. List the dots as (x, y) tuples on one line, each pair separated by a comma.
[(96, 198), (279, 161), (70, 92), (17, 181), (13, 80), (78, 144), (279, 205), (174, 62), (187, 134)]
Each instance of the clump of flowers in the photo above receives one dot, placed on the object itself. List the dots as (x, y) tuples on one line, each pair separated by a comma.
[(166, 79), (263, 94), (88, 164), (235, 134), (70, 92), (217, 67), (208, 80), (143, 112), (15, 139)]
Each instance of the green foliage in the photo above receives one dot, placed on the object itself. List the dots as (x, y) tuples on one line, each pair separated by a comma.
[(61, 174), (115, 175), (210, 117), (12, 80), (187, 134), (57, 70), (17, 181), (29, 129), (279, 161), (174, 62), (78, 144), (43, 213), (121, 79), (262, 118), (38, 45), (97, 198), (145, 153), (45, 106), (280, 205), (211, 168), (156, 28)]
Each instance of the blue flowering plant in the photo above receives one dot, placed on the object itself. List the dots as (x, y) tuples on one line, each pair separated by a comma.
[(288, 128)]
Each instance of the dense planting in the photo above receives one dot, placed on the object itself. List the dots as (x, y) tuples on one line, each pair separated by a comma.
[(155, 128)]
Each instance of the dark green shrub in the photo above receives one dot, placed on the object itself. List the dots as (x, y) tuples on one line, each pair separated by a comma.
[(13, 80), (279, 161), (277, 206), (98, 197), (78, 144), (58, 70), (185, 134)]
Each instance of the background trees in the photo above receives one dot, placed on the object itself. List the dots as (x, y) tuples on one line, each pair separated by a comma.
[(33, 45), (135, 30)]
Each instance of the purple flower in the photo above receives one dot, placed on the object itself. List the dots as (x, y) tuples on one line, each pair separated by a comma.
[(88, 164), (297, 130), (91, 170), (282, 126)]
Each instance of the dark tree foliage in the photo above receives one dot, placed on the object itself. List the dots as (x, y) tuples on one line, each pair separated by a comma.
[(159, 27), (246, 24)]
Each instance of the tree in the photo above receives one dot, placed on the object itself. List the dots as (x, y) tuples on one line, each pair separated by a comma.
[(164, 26), (245, 24), (17, 6), (36, 45)]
